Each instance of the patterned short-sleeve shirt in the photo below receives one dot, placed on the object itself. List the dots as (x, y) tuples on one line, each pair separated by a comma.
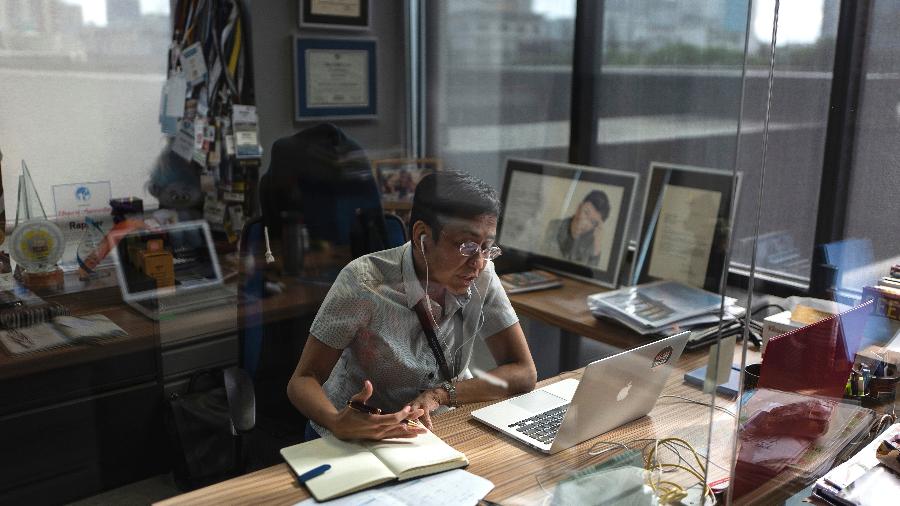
[(369, 313)]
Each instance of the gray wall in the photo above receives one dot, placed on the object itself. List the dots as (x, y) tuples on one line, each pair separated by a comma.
[(273, 25)]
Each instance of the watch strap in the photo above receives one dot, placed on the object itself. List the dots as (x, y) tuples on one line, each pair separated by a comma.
[(451, 393)]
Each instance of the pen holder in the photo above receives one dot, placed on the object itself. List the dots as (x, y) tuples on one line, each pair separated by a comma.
[(751, 376)]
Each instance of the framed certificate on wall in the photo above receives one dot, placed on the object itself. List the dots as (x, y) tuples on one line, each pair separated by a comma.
[(686, 224), (334, 79), (335, 14)]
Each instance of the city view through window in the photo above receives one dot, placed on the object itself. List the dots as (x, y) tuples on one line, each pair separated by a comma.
[(668, 89), (83, 77)]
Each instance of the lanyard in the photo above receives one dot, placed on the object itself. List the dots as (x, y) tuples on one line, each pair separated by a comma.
[(428, 327)]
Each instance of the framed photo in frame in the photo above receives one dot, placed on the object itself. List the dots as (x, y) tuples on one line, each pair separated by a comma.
[(397, 179), (686, 225), (334, 78), (335, 14), (567, 218)]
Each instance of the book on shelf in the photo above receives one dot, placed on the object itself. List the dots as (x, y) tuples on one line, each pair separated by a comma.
[(654, 307), (528, 281), (59, 331), (360, 465), (887, 300), (890, 282)]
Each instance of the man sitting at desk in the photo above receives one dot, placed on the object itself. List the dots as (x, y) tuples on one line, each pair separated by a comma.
[(368, 344)]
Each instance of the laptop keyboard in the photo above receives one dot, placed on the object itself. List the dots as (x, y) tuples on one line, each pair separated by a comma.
[(543, 426), (194, 299)]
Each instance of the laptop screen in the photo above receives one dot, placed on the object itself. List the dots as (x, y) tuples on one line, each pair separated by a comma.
[(163, 260)]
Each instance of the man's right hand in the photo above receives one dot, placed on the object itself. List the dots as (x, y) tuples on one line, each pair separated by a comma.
[(349, 423)]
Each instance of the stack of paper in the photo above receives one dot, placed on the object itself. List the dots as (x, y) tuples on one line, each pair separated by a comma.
[(662, 305), (862, 480)]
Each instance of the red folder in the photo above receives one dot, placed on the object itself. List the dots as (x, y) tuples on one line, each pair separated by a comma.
[(816, 359)]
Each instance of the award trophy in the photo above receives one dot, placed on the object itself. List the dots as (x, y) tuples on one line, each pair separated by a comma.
[(36, 243)]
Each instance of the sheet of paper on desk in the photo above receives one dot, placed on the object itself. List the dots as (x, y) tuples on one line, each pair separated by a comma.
[(452, 488)]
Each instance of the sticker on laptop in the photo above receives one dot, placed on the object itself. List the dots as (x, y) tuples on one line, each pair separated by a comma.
[(662, 357)]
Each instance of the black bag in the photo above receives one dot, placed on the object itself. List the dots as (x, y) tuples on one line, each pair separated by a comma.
[(204, 425)]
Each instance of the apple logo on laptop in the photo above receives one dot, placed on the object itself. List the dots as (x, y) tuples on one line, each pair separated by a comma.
[(624, 392)]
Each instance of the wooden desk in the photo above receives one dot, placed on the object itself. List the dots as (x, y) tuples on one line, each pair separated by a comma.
[(514, 468), (566, 308)]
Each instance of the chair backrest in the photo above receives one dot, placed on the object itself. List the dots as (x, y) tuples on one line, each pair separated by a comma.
[(374, 231), (323, 174)]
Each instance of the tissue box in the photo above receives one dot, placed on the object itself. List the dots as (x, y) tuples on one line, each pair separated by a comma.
[(776, 325)]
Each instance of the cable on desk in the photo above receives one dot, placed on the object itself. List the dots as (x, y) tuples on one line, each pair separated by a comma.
[(673, 492), (707, 404), (666, 491)]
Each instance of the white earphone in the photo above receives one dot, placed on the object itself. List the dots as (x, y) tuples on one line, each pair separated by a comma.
[(422, 243)]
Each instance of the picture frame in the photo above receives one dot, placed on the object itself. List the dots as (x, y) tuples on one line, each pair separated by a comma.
[(397, 179), (335, 78), (570, 219), (686, 225), (335, 14)]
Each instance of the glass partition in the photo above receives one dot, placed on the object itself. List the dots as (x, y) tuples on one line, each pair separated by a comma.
[(820, 385), (656, 91)]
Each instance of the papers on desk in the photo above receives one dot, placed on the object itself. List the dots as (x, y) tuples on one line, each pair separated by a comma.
[(60, 331), (651, 308), (861, 481), (452, 488)]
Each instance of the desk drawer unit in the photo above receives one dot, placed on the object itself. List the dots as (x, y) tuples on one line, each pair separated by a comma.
[(68, 450), (181, 361)]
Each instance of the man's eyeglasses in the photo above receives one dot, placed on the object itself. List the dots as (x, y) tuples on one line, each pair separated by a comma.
[(470, 248)]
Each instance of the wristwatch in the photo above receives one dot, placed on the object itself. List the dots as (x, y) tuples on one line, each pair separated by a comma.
[(451, 393)]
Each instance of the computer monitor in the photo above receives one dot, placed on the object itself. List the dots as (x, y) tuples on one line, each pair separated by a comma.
[(567, 218)]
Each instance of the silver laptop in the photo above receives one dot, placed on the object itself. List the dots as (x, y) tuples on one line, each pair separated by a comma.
[(197, 282), (612, 391)]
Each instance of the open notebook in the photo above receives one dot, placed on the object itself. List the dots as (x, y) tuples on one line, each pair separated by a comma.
[(356, 466)]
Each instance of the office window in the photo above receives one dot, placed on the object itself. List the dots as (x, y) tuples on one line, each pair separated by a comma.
[(797, 127), (80, 85), (668, 88), (503, 90), (873, 206)]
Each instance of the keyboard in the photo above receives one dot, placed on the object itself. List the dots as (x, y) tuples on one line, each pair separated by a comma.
[(194, 299), (542, 426)]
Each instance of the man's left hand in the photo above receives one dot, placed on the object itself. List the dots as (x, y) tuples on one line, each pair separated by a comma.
[(428, 401)]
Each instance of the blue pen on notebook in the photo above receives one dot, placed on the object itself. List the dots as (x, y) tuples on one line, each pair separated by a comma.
[(312, 473)]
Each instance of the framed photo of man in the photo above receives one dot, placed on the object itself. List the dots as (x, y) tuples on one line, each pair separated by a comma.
[(334, 78), (335, 14), (568, 218), (685, 225)]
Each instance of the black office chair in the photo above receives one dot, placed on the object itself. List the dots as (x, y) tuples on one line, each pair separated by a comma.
[(324, 175)]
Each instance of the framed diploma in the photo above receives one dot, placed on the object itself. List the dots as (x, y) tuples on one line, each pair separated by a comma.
[(334, 79), (339, 14), (685, 225)]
